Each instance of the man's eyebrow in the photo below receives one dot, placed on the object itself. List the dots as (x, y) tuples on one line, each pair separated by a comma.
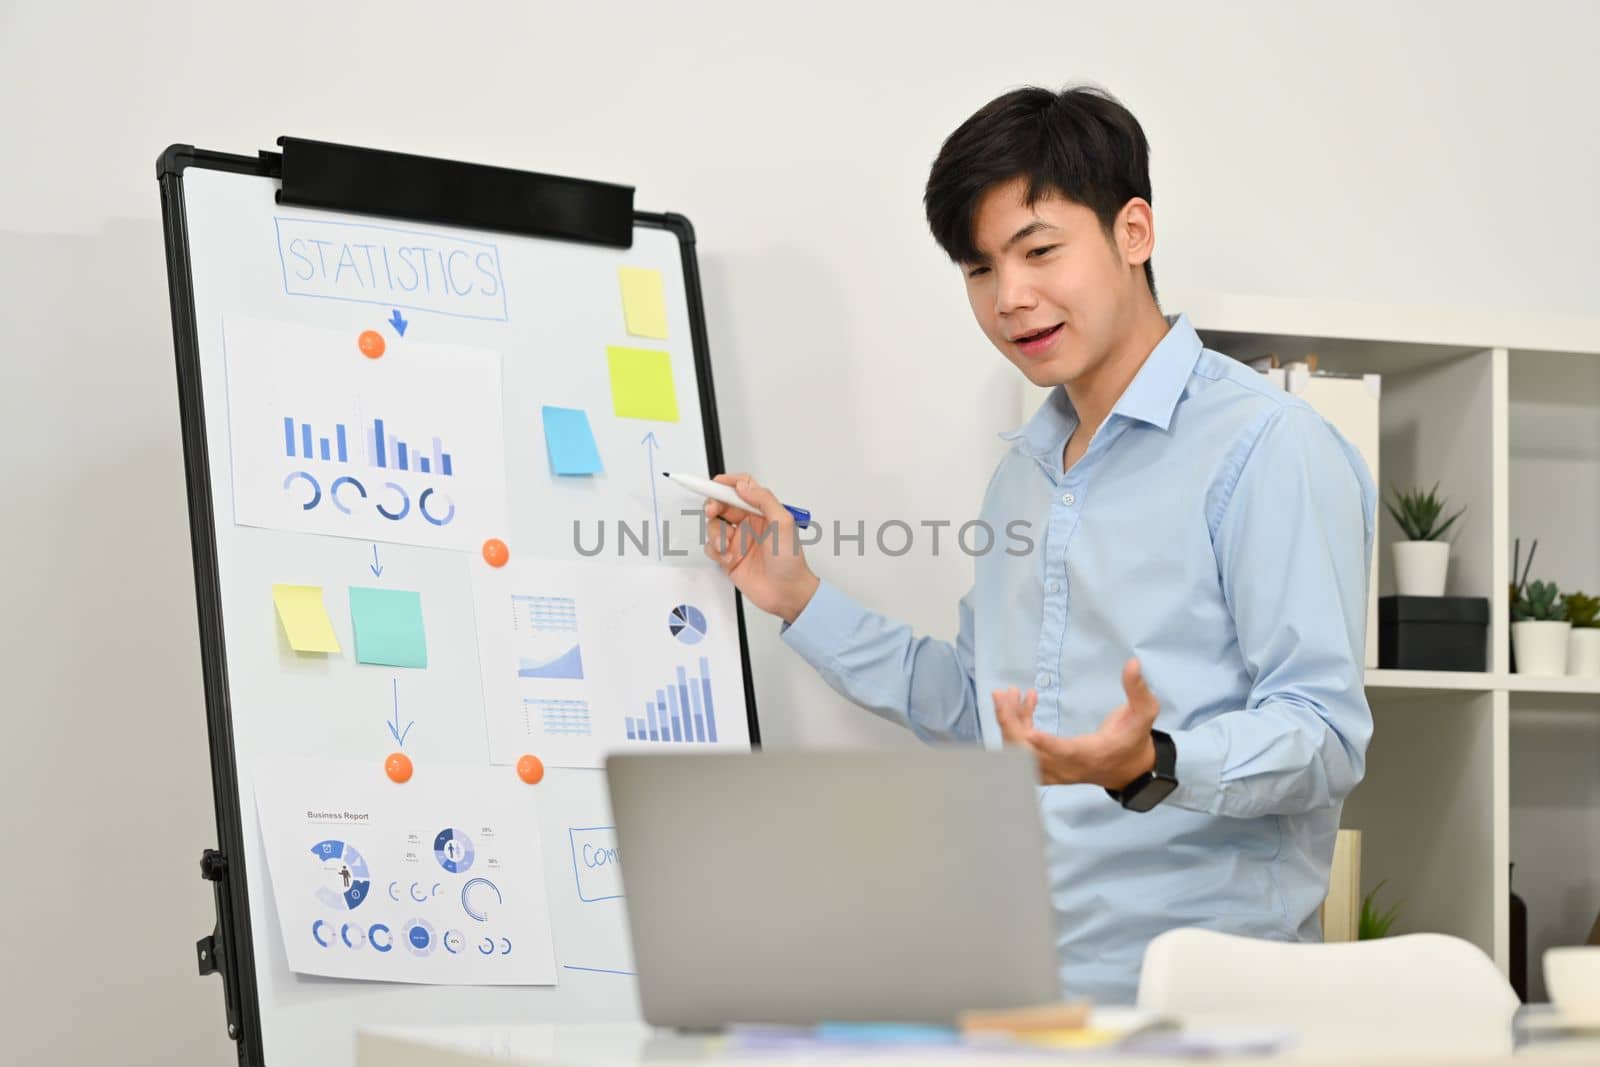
[(1036, 226), (1027, 231)]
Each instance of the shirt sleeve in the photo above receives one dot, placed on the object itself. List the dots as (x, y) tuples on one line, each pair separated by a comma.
[(922, 683), (1293, 547)]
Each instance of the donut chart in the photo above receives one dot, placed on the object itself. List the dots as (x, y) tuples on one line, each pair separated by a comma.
[(453, 850), (345, 875), (475, 898), (352, 935), (420, 939)]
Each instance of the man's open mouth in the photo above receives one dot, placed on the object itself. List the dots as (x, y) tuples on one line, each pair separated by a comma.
[(1036, 335)]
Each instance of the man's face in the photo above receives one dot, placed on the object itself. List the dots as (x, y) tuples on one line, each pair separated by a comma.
[(1051, 291)]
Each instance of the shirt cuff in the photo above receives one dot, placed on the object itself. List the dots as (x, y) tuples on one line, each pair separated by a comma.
[(822, 629), (1201, 754)]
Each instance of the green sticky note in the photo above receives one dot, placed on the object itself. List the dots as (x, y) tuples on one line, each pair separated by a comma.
[(305, 620), (388, 625), (644, 305), (641, 384)]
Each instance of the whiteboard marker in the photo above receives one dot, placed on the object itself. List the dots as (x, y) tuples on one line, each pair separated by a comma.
[(725, 494)]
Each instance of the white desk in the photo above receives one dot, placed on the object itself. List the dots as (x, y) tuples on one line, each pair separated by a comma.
[(632, 1044)]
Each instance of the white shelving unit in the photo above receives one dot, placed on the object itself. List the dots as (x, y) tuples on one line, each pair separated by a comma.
[(1470, 771)]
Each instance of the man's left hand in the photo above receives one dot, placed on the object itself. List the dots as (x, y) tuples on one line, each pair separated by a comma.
[(1111, 757)]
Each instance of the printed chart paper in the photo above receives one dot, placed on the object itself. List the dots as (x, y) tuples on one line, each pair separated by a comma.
[(438, 881), (579, 662), (408, 447)]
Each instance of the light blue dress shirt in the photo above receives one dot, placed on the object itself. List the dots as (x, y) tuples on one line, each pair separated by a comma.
[(1220, 530)]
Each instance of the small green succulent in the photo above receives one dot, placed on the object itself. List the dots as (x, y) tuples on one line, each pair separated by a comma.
[(1417, 512), (1374, 923), (1540, 602), (1582, 611)]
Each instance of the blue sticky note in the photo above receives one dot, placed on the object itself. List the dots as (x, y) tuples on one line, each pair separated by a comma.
[(388, 626), (570, 441), (884, 1033)]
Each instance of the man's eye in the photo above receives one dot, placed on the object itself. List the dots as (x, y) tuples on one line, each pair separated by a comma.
[(1042, 250), (976, 271)]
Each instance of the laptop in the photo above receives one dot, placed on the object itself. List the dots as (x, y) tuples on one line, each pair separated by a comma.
[(804, 887)]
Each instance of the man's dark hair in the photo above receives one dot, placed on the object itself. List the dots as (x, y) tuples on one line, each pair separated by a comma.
[(1079, 143)]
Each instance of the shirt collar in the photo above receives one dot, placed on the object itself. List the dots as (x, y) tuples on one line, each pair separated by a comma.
[(1153, 394), (1151, 397)]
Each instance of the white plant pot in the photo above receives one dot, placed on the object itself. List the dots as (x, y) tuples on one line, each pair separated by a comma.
[(1420, 567), (1541, 646), (1583, 652)]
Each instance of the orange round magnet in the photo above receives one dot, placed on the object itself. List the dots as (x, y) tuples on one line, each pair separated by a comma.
[(495, 552), (398, 767), (370, 343), (530, 769)]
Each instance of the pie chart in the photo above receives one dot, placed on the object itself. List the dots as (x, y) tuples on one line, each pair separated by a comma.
[(345, 879), (687, 623), (453, 850)]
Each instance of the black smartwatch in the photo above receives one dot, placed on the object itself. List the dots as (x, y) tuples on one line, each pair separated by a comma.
[(1151, 787)]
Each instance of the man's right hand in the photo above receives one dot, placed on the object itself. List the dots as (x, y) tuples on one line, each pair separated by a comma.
[(761, 553)]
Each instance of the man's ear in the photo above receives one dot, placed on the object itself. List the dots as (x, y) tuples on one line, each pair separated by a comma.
[(1135, 231)]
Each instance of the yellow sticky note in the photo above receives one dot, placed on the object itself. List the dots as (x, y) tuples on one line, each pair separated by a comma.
[(305, 620), (641, 384), (644, 306)]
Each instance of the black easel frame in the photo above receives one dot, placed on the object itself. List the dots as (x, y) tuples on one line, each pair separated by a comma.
[(397, 186)]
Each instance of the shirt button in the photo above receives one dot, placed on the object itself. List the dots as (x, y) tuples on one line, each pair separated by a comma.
[(1069, 500), (1054, 587), (1042, 682)]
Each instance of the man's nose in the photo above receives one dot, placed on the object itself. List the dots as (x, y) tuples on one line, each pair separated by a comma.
[(1013, 293)]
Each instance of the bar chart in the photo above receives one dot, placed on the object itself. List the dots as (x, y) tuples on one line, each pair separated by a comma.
[(680, 712), (391, 453), (387, 451), (298, 438)]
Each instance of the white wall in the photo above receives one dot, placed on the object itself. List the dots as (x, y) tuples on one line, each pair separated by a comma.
[(1422, 154)]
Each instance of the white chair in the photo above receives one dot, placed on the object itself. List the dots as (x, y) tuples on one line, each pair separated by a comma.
[(1426, 994)]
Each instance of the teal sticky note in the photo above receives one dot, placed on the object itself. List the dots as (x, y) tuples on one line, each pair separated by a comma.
[(388, 626), (570, 442)]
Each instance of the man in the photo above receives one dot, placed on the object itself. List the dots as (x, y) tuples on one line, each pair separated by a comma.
[(1189, 623)]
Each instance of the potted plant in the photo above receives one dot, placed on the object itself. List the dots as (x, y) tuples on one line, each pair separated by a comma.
[(1540, 630), (1422, 560), (1375, 923), (1583, 645)]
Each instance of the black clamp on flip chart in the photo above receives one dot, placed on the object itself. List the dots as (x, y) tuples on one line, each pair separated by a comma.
[(370, 181), (210, 950)]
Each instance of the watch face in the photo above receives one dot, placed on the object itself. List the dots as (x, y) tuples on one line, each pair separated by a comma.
[(1151, 793)]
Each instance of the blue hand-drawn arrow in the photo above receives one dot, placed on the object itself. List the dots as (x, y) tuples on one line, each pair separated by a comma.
[(650, 443), (375, 567), (398, 323), (394, 727)]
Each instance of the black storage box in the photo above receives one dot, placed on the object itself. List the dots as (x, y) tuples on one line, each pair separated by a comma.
[(1433, 633)]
